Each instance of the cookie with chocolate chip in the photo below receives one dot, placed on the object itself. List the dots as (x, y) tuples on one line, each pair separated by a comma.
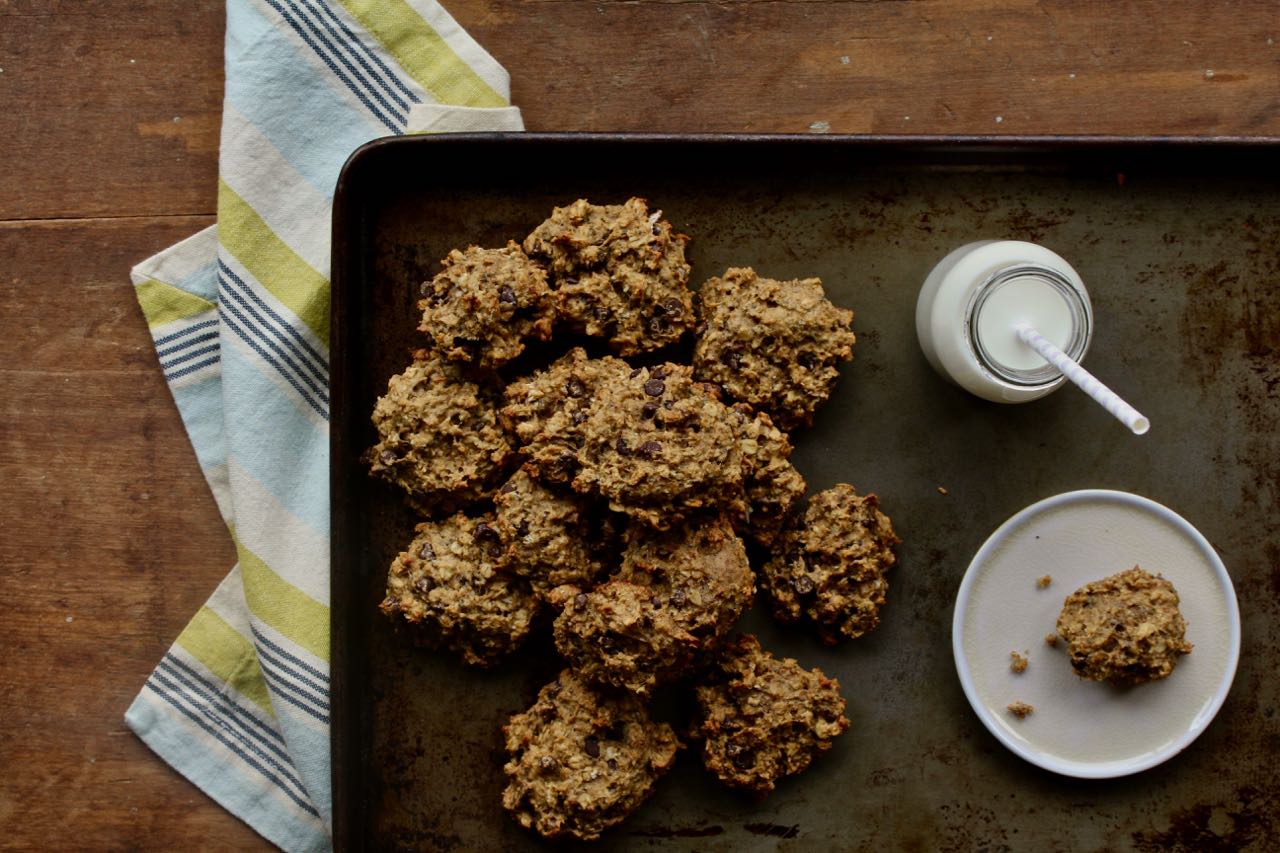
[(774, 344), (830, 562), (445, 587), (484, 304), (675, 596), (619, 271), (773, 485), (551, 536), (438, 436), (581, 759), (761, 718)]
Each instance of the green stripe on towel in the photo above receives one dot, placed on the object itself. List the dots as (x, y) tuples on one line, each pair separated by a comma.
[(227, 654)]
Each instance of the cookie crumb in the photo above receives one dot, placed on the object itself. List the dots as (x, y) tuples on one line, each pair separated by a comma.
[(1044, 582), (1020, 709), (942, 490), (1051, 640), (1017, 662)]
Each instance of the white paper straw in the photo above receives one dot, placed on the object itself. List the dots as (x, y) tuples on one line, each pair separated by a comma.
[(1084, 380)]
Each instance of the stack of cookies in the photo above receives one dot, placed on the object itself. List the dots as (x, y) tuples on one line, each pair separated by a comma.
[(615, 493)]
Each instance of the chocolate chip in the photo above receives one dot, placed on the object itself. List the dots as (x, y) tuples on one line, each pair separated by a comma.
[(658, 372), (669, 405), (806, 360), (649, 410), (580, 600), (601, 313), (579, 417), (673, 307), (508, 488), (649, 449), (427, 552), (522, 529), (613, 764), (554, 688), (802, 585), (659, 326), (636, 372), (732, 359), (656, 229), (423, 585), (678, 598), (592, 747), (546, 762), (548, 712), (486, 534), (744, 760), (507, 295), (575, 388), (655, 387), (388, 457), (621, 446)]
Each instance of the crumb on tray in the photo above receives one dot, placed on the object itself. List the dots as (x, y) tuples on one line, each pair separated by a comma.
[(1051, 640), (1044, 582), (1018, 662)]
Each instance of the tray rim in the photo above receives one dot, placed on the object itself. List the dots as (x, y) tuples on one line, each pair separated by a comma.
[(1215, 153)]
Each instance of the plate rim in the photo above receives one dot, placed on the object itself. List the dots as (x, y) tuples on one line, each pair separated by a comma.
[(1096, 769)]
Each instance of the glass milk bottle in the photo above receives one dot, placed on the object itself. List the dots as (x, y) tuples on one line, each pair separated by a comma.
[(973, 299)]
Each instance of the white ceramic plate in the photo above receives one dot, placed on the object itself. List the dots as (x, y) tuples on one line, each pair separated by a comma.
[(1083, 728)]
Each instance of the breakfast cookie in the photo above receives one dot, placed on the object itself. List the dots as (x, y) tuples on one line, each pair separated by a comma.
[(762, 718), (582, 759), (551, 536), (445, 587), (438, 436), (774, 344), (546, 412), (676, 594), (829, 564), (773, 485), (484, 305), (658, 446), (619, 272), (1125, 629)]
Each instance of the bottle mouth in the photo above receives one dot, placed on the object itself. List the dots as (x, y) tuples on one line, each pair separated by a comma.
[(1076, 345)]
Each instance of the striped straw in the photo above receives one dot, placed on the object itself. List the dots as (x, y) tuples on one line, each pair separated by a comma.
[(1084, 380)]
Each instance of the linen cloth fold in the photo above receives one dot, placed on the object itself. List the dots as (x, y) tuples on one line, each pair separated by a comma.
[(240, 317)]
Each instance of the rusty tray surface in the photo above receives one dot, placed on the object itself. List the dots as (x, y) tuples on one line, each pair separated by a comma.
[(1179, 245)]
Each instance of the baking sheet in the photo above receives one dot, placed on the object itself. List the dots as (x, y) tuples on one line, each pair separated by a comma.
[(1179, 245)]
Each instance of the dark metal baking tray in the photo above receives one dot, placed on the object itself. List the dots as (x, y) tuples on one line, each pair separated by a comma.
[(1179, 244)]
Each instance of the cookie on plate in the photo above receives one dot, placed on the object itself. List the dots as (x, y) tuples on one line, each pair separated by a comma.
[(582, 759), (438, 436), (761, 718), (551, 536), (484, 305), (619, 272), (774, 344), (445, 587), (829, 564), (675, 596), (1125, 629)]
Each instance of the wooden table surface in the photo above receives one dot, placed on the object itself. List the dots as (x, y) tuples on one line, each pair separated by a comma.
[(111, 110)]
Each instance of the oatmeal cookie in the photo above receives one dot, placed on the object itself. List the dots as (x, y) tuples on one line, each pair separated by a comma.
[(773, 485), (545, 413), (484, 305), (762, 718), (676, 594), (659, 446), (445, 587), (774, 344), (581, 759), (1125, 629), (829, 564), (438, 436), (552, 537), (619, 271)]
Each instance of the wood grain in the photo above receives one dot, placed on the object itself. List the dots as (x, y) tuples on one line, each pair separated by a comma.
[(110, 110)]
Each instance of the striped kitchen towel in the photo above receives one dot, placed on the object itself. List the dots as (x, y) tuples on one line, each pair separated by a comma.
[(240, 317)]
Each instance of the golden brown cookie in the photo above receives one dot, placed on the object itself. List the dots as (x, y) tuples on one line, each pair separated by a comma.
[(829, 564), (1125, 629), (619, 272), (446, 588), (774, 344), (484, 305), (582, 759), (762, 718)]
